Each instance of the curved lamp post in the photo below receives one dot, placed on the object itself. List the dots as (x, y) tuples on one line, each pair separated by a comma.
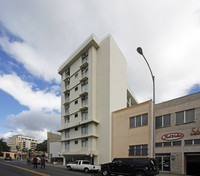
[(139, 50)]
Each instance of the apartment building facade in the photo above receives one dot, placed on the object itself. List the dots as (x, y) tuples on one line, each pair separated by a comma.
[(177, 134), (19, 142), (93, 85)]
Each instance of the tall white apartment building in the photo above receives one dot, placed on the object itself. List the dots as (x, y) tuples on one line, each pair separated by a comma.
[(18, 142), (94, 84)]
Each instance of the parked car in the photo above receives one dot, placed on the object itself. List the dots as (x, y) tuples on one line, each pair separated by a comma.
[(131, 166), (8, 158), (83, 165)]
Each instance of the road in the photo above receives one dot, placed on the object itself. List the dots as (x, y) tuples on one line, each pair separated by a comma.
[(21, 168)]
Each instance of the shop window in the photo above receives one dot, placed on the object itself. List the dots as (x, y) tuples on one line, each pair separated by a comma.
[(164, 163), (185, 116), (138, 150), (163, 121), (140, 120)]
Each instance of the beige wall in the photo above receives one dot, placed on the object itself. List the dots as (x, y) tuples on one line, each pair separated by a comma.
[(124, 136)]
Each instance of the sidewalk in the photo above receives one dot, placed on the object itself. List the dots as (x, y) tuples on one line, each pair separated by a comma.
[(166, 174)]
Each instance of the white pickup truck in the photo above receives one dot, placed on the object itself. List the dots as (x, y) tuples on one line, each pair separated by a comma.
[(83, 165)]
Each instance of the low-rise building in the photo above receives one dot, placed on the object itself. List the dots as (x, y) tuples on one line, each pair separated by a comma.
[(177, 133)]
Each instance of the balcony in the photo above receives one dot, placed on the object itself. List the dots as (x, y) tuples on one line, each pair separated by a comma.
[(84, 60)]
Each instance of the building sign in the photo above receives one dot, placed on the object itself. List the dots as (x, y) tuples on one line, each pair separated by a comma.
[(172, 136), (195, 131)]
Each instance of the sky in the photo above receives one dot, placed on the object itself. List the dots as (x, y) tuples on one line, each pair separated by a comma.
[(36, 37)]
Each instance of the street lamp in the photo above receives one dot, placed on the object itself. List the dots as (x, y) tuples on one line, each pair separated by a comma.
[(139, 50)]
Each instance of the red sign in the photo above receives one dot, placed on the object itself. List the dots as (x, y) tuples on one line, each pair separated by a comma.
[(195, 131), (172, 136)]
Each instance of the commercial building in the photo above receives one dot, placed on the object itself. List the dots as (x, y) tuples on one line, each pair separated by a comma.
[(177, 134), (93, 85), (19, 142)]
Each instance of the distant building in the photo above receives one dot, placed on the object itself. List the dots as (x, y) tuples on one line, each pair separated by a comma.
[(19, 142), (177, 134), (53, 145), (94, 84)]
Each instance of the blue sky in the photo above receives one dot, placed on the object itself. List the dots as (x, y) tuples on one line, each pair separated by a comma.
[(36, 37)]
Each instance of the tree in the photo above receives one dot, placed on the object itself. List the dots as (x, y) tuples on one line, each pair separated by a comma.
[(3, 146), (42, 146)]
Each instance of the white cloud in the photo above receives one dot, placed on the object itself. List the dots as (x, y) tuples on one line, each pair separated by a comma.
[(32, 123), (22, 91), (168, 31)]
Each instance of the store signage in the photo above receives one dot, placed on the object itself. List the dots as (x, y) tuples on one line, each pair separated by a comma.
[(195, 131), (172, 136)]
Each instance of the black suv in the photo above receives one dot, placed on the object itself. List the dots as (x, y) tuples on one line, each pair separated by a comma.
[(131, 166)]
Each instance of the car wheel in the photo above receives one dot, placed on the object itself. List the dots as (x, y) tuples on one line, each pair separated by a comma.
[(86, 170), (69, 168), (105, 172), (139, 174)]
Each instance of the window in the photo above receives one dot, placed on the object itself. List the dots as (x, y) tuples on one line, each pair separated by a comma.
[(84, 142), (76, 128), (67, 120), (158, 144), (67, 97), (67, 73), (76, 102), (84, 130), (84, 100), (67, 145), (84, 57), (67, 134), (185, 116), (76, 115), (84, 115), (67, 84), (196, 141), (86, 162), (192, 142), (138, 150), (75, 142), (67, 110), (163, 121), (164, 162), (166, 144), (84, 71), (140, 120), (76, 75), (84, 86), (176, 143), (76, 88)]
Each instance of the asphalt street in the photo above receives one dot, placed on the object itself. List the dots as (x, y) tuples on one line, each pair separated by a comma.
[(21, 168)]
